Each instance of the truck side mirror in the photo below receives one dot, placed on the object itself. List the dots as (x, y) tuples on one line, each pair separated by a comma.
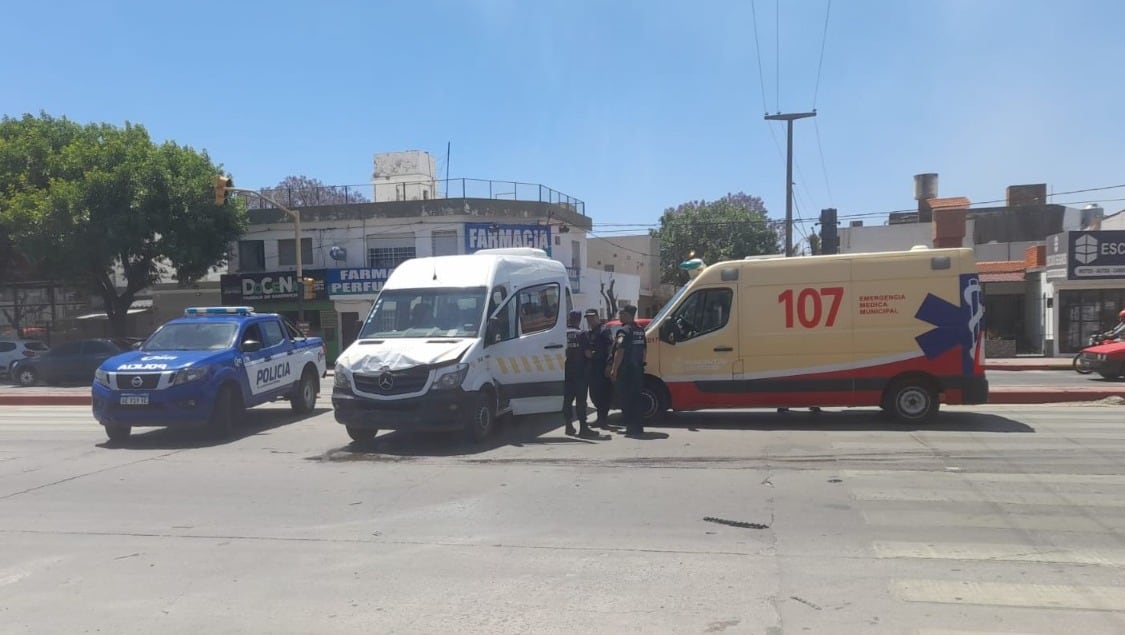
[(251, 346), (668, 332)]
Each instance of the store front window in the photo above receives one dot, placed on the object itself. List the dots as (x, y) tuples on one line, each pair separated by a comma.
[(1083, 313)]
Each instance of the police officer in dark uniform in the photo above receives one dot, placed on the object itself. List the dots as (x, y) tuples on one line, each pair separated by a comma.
[(627, 371), (599, 348), (574, 377)]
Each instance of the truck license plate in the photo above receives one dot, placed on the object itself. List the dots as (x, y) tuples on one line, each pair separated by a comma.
[(134, 400)]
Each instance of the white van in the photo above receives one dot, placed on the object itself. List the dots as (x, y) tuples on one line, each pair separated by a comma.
[(453, 342)]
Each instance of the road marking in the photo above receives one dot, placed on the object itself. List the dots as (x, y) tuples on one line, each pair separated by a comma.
[(991, 477), (1068, 444), (1090, 598), (1007, 553), (1020, 522), (942, 631), (972, 496)]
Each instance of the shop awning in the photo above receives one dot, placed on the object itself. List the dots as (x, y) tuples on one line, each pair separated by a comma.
[(138, 306)]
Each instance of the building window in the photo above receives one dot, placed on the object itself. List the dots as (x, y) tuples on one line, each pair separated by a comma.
[(252, 255), (575, 254), (287, 256), (388, 257), (445, 243), (609, 268)]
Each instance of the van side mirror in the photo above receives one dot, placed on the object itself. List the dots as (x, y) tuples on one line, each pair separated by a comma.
[(668, 332), (251, 346)]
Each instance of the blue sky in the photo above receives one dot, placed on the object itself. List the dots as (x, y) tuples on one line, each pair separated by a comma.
[(630, 105)]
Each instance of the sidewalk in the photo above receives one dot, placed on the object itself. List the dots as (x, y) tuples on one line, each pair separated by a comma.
[(1029, 363), (998, 395)]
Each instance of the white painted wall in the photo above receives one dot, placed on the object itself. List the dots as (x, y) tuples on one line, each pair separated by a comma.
[(404, 176), (877, 238)]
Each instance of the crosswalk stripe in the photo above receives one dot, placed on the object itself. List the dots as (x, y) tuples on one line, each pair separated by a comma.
[(1071, 444), (990, 477), (1093, 598), (973, 496), (1007, 553), (1018, 522)]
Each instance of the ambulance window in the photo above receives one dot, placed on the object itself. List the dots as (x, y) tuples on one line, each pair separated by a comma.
[(271, 334), (703, 312), (539, 308)]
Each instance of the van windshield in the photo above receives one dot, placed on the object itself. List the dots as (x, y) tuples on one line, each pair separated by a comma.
[(426, 313), (669, 304)]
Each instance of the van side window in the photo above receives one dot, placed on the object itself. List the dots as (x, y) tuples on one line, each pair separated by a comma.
[(539, 308), (503, 324), (703, 312)]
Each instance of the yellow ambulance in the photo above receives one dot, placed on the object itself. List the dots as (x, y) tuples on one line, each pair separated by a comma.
[(899, 330)]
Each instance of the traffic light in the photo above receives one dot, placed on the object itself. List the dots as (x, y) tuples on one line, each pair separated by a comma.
[(829, 239), (221, 185)]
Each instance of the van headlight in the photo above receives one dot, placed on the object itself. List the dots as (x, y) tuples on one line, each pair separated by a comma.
[(189, 375), (450, 377), (339, 379), (101, 377)]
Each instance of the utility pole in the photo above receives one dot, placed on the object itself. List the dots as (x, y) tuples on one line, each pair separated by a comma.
[(789, 118)]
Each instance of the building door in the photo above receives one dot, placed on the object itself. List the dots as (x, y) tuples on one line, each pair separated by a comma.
[(349, 328)]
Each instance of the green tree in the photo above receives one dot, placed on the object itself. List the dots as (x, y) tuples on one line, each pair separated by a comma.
[(84, 201), (733, 227), (814, 244)]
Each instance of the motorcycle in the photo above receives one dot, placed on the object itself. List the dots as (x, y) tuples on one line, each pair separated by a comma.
[(1082, 361)]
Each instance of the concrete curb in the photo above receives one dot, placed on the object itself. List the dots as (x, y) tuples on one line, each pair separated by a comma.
[(992, 367)]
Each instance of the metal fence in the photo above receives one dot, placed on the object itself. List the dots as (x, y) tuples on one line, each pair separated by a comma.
[(416, 190)]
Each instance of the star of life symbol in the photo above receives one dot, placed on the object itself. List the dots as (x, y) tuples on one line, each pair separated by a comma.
[(1086, 249)]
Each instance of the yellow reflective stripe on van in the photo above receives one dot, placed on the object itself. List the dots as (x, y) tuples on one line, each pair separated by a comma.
[(549, 360), (526, 364), (538, 363), (502, 365)]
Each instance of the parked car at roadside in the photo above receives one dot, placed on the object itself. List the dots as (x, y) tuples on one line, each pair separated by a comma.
[(13, 350), (68, 362)]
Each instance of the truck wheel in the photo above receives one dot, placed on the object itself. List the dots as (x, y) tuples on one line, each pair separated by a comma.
[(118, 433), (303, 399), (482, 419), (227, 412), (653, 401), (361, 435), (27, 376), (912, 401)]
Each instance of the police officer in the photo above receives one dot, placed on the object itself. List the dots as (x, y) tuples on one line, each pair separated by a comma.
[(627, 371), (599, 347), (574, 377)]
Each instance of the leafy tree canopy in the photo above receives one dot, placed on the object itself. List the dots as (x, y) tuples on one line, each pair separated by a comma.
[(81, 201)]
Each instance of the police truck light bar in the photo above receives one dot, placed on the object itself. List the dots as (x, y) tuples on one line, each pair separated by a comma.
[(219, 310)]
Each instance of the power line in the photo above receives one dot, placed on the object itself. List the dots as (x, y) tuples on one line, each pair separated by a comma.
[(758, 55), (777, 41), (820, 64), (823, 165)]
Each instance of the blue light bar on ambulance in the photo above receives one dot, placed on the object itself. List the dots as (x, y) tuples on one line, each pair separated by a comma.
[(218, 310)]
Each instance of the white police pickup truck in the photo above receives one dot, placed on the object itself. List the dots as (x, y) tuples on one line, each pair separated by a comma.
[(205, 368)]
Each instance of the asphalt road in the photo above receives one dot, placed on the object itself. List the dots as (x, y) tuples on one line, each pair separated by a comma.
[(991, 520)]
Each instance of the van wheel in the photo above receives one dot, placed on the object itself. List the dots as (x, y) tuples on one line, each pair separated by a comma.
[(482, 419), (653, 400), (911, 401), (362, 436), (118, 433), (303, 399), (228, 410)]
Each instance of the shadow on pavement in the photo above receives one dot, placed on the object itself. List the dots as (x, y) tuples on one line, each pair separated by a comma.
[(253, 422), (842, 421), (404, 445)]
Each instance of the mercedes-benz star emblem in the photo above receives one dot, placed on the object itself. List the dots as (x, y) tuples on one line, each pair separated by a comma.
[(386, 381), (137, 381)]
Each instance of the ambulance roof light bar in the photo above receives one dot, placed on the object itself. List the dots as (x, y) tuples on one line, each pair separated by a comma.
[(218, 310)]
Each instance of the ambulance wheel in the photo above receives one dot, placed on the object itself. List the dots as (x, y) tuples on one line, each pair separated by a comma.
[(653, 400), (227, 412), (362, 435), (118, 433), (911, 401), (303, 399), (482, 418)]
